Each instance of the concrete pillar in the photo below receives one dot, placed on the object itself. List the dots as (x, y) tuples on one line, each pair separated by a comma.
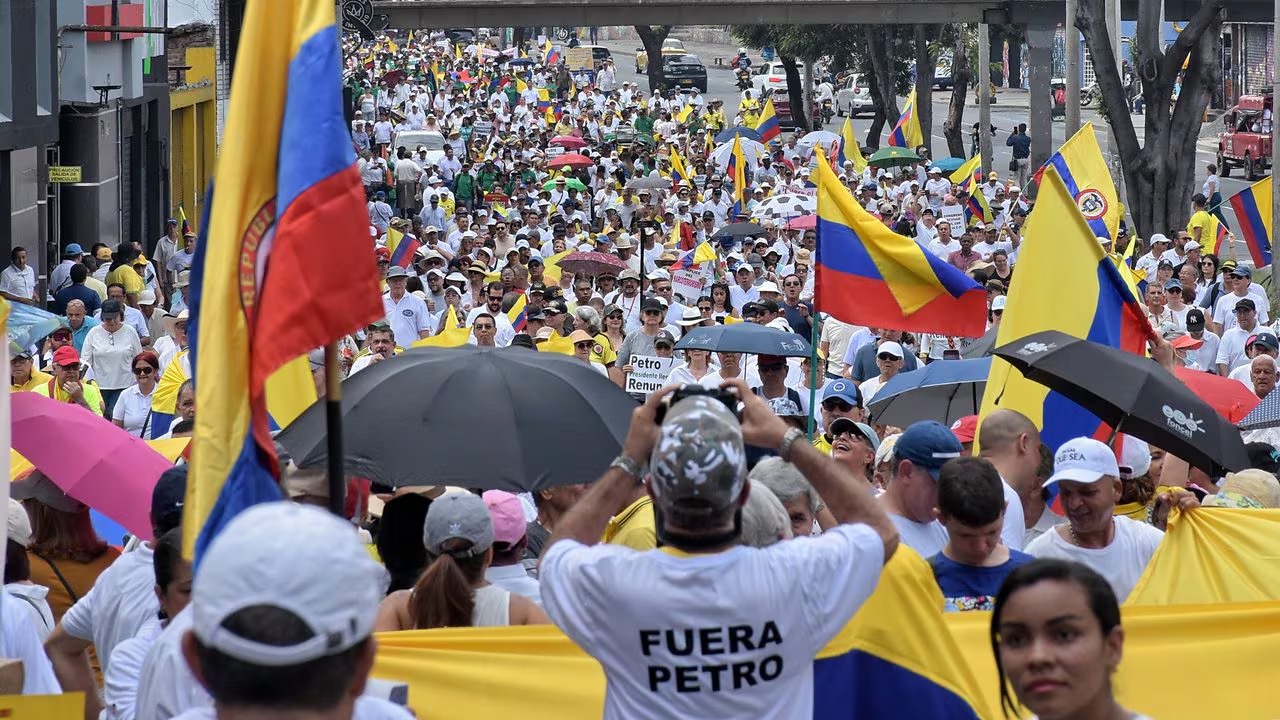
[(1073, 68), (1040, 56), (984, 96), (1275, 152)]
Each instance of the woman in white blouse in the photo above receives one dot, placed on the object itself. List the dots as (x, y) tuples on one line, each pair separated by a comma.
[(696, 366), (109, 349), (133, 409)]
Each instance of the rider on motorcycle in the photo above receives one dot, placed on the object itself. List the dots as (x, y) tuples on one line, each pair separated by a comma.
[(742, 62)]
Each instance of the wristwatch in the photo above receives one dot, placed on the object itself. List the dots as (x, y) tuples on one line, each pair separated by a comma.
[(789, 439), (628, 466)]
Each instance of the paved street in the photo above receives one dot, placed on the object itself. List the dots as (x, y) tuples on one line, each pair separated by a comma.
[(1011, 108)]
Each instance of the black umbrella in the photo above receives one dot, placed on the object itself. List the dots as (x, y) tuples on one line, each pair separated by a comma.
[(737, 231), (1132, 394), (508, 419), (746, 337)]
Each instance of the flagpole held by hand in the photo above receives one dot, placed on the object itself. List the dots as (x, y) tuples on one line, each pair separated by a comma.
[(333, 424)]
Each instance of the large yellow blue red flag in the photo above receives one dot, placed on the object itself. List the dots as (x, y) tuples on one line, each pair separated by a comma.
[(1253, 213), (1084, 173), (767, 125), (906, 132), (679, 171), (1062, 258), (738, 172), (869, 275), (286, 191)]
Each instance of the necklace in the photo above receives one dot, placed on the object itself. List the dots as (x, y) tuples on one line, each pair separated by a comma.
[(1074, 539)]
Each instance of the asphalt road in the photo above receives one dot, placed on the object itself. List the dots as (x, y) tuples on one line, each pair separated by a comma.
[(1011, 108)]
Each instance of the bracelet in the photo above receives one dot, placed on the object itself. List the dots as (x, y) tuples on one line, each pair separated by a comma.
[(628, 466), (784, 449)]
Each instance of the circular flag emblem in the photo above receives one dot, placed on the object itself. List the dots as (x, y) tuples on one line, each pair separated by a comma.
[(1091, 203)]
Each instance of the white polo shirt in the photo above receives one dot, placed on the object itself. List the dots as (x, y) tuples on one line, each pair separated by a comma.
[(726, 635), (407, 318)]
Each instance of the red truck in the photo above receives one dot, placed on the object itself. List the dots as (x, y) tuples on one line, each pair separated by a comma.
[(1246, 141), (782, 107)]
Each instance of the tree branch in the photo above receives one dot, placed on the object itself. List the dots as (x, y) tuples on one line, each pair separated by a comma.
[(1090, 20), (1190, 35)]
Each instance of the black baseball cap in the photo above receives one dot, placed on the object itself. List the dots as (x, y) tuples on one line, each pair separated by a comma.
[(1195, 318), (167, 499), (651, 303)]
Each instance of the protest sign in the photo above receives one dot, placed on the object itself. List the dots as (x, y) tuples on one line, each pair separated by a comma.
[(649, 373), (687, 285), (953, 214)]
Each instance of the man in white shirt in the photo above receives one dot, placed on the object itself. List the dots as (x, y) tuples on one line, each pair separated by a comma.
[(889, 359), (408, 315), (1231, 350), (1262, 342), (660, 622), (944, 244), (1205, 357), (912, 494), (1225, 315), (936, 188), (1089, 486), (18, 280), (1149, 262)]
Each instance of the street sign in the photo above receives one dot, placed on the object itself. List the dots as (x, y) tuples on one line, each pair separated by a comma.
[(65, 173)]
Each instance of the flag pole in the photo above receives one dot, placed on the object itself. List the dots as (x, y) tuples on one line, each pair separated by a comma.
[(333, 427), (813, 363)]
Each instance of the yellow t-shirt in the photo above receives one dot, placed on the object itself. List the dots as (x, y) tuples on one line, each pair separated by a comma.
[(1199, 219), (92, 395), (128, 277), (38, 378), (602, 352), (822, 444), (634, 527)]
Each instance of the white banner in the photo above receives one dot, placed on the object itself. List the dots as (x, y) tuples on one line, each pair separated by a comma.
[(687, 285), (649, 373)]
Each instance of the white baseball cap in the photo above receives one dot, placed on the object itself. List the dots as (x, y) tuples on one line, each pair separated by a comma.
[(1000, 302), (892, 348), (1084, 460), (19, 523), (1135, 457), (272, 554), (769, 286)]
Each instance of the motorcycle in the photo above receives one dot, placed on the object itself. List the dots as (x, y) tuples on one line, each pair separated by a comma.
[(1090, 96), (827, 112), (744, 79)]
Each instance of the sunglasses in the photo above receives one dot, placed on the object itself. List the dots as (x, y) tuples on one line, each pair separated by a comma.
[(887, 356), (143, 371), (836, 404), (73, 368), (584, 345), (495, 298), (652, 312), (484, 327)]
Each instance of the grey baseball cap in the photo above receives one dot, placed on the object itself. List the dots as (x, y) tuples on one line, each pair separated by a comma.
[(458, 516), (699, 464)]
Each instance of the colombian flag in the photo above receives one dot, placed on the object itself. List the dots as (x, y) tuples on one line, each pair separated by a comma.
[(849, 150), (286, 192), (1084, 173), (517, 315), (1061, 257), (969, 173), (700, 254), (767, 125), (1253, 212), (738, 172), (868, 275), (679, 173), (906, 133), (552, 56), (977, 206), (402, 247)]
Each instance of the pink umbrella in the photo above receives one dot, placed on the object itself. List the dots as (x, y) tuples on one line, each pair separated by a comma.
[(569, 141), (89, 458), (591, 263), (804, 222), (571, 160)]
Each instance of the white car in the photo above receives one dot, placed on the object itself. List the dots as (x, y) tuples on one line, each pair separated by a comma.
[(432, 142), (773, 76), (854, 97)]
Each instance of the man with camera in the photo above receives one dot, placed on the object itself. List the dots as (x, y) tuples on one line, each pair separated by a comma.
[(702, 627)]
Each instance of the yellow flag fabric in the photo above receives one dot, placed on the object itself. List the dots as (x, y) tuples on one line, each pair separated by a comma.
[(557, 343), (41, 707), (1160, 645), (450, 336), (1214, 555), (1083, 170), (965, 172), (551, 267)]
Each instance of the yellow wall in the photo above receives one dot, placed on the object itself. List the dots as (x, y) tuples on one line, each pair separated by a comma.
[(193, 123)]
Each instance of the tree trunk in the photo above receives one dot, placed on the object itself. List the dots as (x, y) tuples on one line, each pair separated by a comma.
[(1160, 175), (795, 93), (1015, 64), (652, 37), (953, 128), (883, 79), (875, 130), (815, 122), (925, 64)]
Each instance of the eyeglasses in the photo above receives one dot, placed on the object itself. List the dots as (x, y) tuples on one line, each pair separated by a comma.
[(652, 312), (495, 298), (143, 370), (887, 357), (584, 345), (484, 327), (836, 404)]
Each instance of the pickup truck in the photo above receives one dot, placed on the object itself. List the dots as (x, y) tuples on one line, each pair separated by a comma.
[(782, 107), (1246, 140)]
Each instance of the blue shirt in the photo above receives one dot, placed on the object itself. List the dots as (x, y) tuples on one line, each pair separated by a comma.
[(1021, 145), (78, 336), (87, 295), (968, 587)]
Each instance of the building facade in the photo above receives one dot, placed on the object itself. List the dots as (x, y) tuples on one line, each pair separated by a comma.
[(193, 118), (28, 127)]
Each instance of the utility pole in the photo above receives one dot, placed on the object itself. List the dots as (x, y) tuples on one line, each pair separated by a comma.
[(1073, 67), (984, 96)]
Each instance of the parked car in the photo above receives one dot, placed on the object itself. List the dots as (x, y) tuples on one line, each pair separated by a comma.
[(684, 71), (670, 46), (773, 76), (782, 110), (942, 76), (854, 97), (432, 142), (460, 35), (1246, 140)]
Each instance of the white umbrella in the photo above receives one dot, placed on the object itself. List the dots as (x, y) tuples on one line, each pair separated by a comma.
[(817, 137), (786, 206), (752, 151)]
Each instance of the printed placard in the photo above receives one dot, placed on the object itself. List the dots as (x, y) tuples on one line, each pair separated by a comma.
[(649, 374)]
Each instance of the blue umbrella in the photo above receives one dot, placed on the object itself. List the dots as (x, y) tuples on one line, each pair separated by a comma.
[(746, 337), (1265, 414), (28, 324), (944, 390), (520, 61), (738, 131), (949, 164)]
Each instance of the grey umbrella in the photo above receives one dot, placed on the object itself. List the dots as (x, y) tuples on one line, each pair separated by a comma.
[(508, 419), (648, 183)]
